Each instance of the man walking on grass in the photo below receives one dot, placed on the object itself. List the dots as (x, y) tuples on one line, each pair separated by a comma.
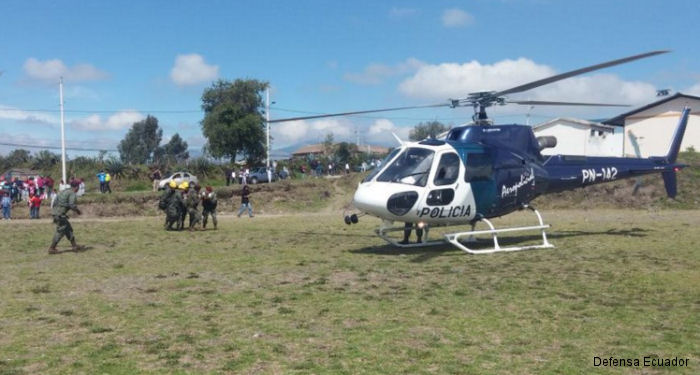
[(65, 201)]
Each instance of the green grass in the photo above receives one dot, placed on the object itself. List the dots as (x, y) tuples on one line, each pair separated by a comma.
[(307, 294)]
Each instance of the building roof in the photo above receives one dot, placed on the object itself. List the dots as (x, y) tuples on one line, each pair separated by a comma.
[(590, 124), (19, 172), (310, 149), (619, 120)]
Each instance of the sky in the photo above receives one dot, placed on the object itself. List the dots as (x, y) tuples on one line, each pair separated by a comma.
[(123, 60)]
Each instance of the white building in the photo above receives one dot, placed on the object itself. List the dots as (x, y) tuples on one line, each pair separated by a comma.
[(581, 137), (653, 125)]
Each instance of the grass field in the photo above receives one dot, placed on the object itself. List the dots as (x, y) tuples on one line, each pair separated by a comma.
[(307, 294)]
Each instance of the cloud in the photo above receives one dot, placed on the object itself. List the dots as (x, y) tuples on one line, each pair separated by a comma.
[(375, 74), (401, 13), (192, 70), (311, 131), (693, 90), (456, 18), (380, 132), (25, 117), (452, 80), (117, 121), (52, 70)]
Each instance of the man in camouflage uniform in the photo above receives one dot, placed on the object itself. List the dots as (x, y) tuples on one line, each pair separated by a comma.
[(191, 204), (171, 205), (209, 206), (65, 201)]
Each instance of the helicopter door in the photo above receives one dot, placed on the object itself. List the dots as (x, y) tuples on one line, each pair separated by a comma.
[(514, 179), (446, 191), (480, 176)]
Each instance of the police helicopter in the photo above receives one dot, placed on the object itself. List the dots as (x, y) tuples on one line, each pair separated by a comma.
[(480, 171)]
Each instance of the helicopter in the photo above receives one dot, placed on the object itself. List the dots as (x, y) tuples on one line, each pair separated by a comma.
[(480, 171)]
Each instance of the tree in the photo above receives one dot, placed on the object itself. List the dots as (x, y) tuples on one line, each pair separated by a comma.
[(174, 151), (233, 121), (430, 129), (328, 144), (344, 152), (18, 157), (141, 141), (45, 159)]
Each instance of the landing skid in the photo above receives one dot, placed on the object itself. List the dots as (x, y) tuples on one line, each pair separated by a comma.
[(453, 238), (387, 227), (456, 238)]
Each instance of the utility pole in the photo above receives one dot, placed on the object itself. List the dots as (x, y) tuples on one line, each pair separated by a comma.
[(267, 123), (267, 126), (63, 136)]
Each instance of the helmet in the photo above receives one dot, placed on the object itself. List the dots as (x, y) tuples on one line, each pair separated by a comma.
[(172, 184), (184, 185)]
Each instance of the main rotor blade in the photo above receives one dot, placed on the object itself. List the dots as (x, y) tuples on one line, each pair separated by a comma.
[(559, 77), (544, 102), (359, 112)]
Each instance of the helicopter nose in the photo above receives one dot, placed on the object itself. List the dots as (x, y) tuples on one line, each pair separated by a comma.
[(369, 198), (378, 198)]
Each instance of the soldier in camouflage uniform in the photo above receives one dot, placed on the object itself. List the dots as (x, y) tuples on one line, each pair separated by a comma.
[(209, 206), (65, 201), (191, 204), (170, 204)]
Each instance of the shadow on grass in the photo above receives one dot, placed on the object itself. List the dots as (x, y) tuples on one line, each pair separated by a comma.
[(429, 252), (81, 249), (421, 254), (354, 235)]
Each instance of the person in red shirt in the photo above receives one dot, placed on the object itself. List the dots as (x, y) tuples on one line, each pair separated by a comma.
[(34, 204)]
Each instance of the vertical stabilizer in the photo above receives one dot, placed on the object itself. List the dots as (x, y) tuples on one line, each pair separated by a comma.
[(678, 137)]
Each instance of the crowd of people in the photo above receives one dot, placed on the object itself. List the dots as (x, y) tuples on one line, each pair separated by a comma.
[(180, 201), (30, 191)]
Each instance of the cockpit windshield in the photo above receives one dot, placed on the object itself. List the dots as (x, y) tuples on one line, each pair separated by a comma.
[(411, 167), (381, 164)]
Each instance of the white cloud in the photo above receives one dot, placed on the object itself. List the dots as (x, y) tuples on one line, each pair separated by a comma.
[(380, 132), (117, 121), (303, 131), (456, 18), (693, 90), (192, 70), (451, 80), (52, 70), (30, 118), (376, 73)]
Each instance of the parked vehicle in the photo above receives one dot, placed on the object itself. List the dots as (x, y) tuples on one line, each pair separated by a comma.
[(178, 177), (260, 175)]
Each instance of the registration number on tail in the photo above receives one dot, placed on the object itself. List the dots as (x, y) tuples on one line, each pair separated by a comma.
[(598, 174)]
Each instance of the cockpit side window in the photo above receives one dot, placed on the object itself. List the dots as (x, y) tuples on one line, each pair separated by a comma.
[(447, 170), (479, 167), (411, 167)]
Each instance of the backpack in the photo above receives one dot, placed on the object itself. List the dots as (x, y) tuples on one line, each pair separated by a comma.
[(164, 201)]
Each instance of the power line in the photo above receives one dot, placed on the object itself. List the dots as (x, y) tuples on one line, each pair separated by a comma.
[(56, 147), (102, 110)]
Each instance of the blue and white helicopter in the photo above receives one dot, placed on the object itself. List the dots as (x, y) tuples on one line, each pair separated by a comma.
[(481, 171)]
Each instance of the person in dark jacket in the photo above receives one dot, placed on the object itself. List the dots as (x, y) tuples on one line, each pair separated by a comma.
[(245, 201)]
